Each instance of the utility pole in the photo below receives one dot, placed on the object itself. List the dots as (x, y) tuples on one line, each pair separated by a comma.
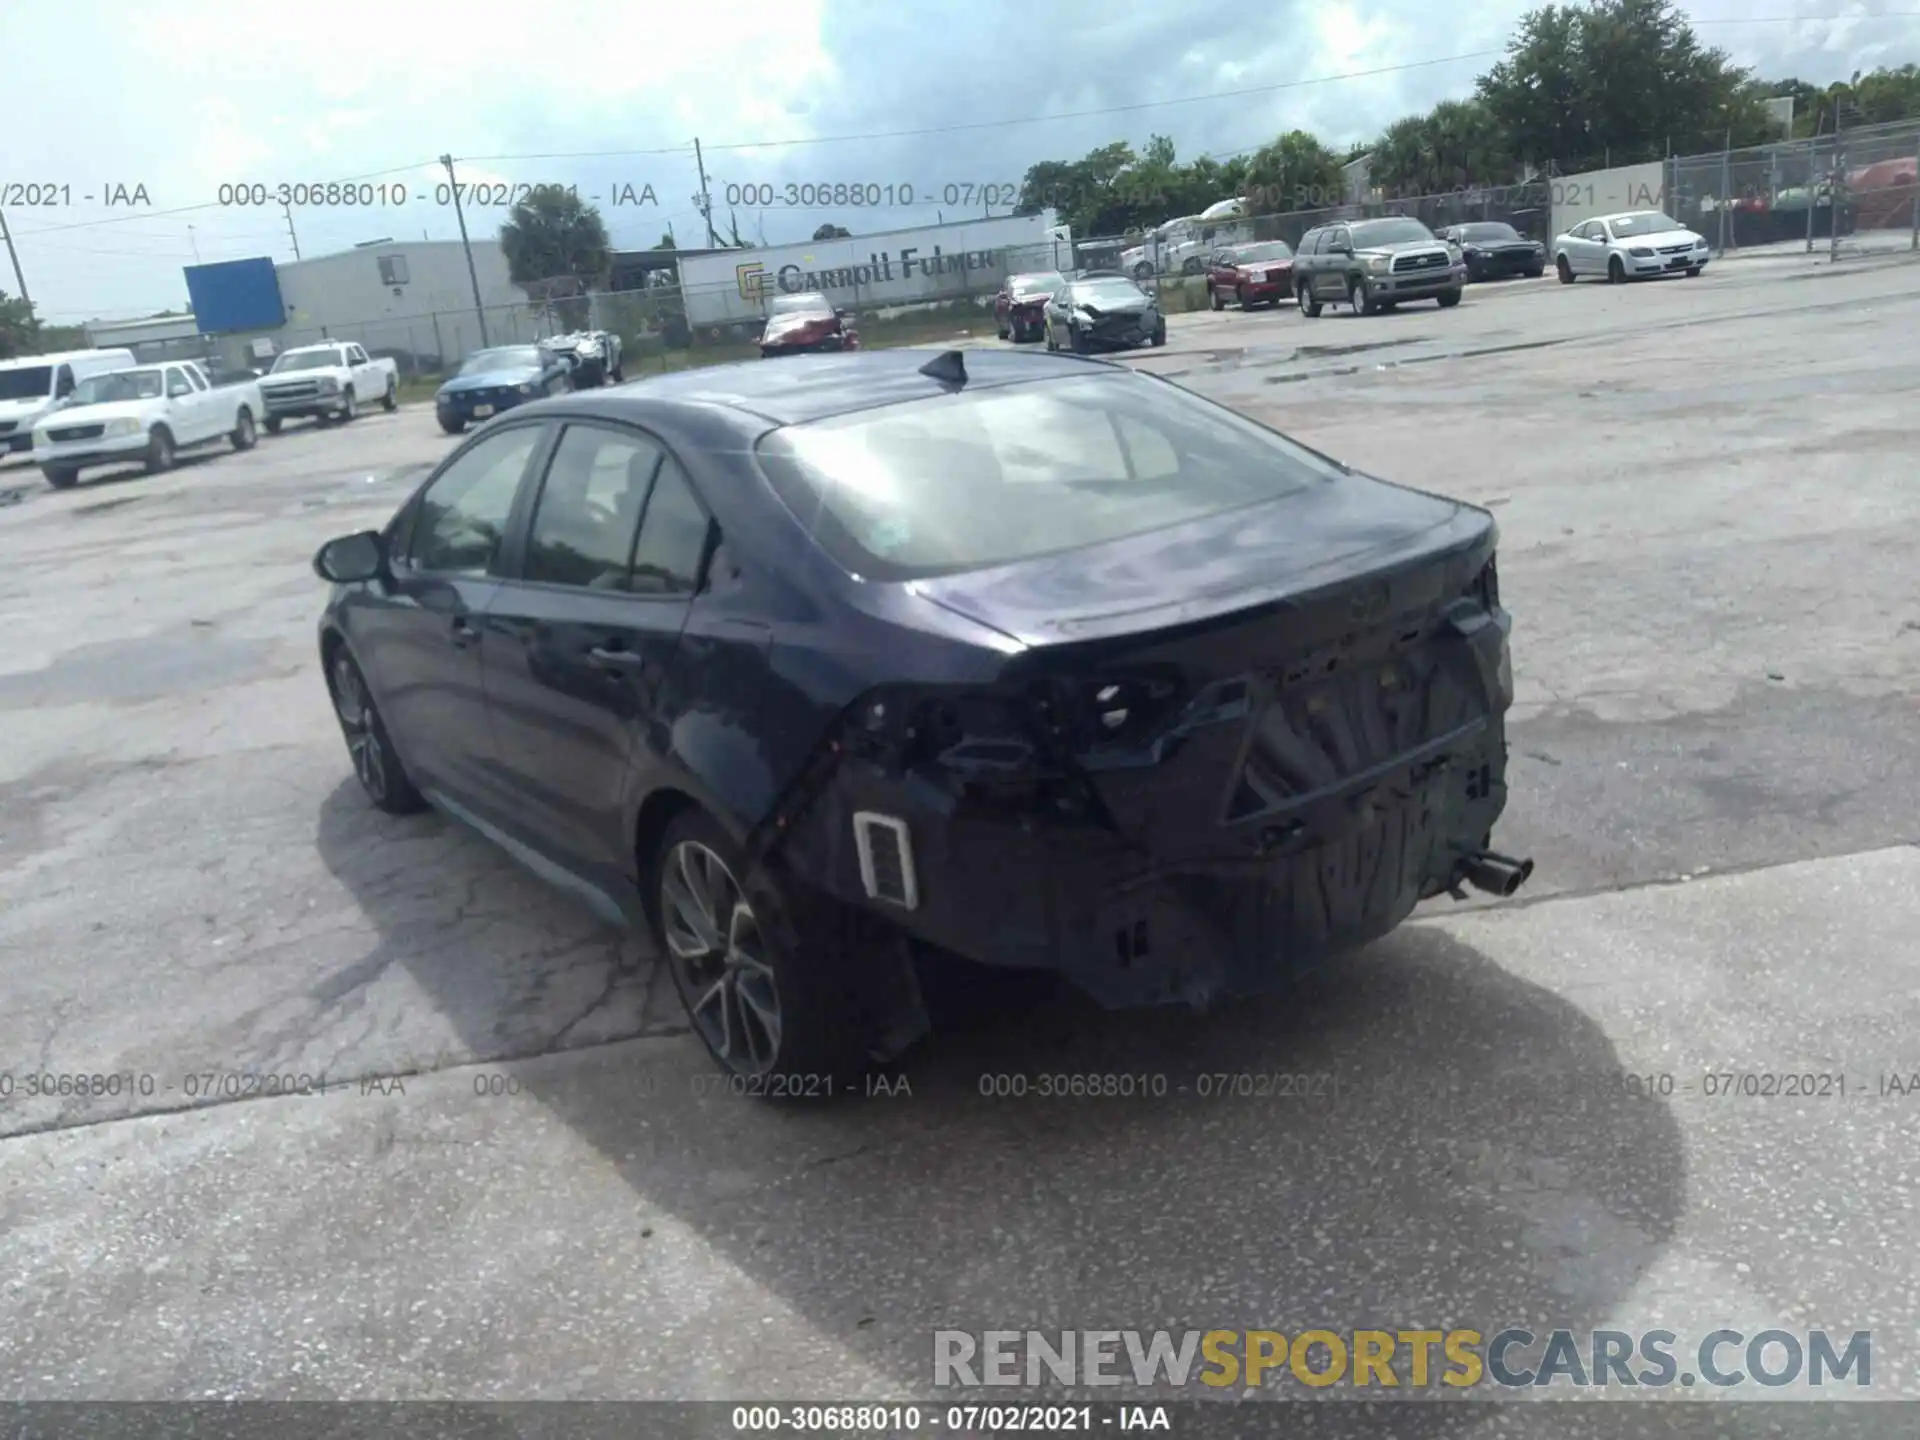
[(705, 198), (293, 237), (194, 241), (453, 188), (19, 280)]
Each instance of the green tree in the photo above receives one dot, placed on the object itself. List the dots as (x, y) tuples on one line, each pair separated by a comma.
[(1457, 143), (1616, 82), (832, 232), (553, 233), (1294, 172), (19, 331)]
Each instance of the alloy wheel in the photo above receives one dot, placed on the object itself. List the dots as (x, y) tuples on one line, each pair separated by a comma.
[(718, 951), (355, 710)]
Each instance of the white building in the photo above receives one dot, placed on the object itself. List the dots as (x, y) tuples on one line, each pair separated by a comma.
[(411, 299)]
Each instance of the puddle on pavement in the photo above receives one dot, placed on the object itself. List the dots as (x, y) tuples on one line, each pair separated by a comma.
[(148, 668)]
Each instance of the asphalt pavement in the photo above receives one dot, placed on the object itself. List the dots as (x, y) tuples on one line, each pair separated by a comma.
[(521, 1181)]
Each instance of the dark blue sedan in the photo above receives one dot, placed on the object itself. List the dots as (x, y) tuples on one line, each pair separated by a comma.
[(818, 671), (490, 381)]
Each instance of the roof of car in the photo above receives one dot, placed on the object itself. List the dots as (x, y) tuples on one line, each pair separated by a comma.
[(811, 387)]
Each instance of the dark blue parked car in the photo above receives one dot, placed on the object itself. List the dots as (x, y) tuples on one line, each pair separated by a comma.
[(820, 669), (490, 381)]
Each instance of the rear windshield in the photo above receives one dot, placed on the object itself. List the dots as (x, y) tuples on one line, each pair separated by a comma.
[(800, 305), (967, 481), (1644, 222)]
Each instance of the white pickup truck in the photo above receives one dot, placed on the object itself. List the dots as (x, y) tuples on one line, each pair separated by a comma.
[(145, 414), (330, 382)]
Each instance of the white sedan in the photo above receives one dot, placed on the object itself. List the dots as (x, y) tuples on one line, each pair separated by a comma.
[(1629, 246)]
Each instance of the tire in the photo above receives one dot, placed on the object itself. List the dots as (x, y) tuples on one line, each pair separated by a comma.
[(765, 988), (349, 406), (1563, 269), (1448, 299), (1534, 272), (1693, 271), (60, 478), (1001, 330), (1213, 299), (375, 762), (1616, 271), (1159, 333), (1309, 303), (1077, 340), (159, 450), (273, 423), (1143, 272), (1053, 345), (244, 435), (1190, 267), (390, 401), (453, 427), (619, 375), (1240, 295), (1360, 296)]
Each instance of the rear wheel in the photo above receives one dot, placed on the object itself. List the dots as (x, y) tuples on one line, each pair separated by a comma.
[(391, 400), (244, 435), (375, 762), (159, 450), (59, 477), (1309, 302), (769, 1000), (1563, 270)]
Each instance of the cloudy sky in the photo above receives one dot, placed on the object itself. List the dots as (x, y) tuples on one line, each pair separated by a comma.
[(185, 97)]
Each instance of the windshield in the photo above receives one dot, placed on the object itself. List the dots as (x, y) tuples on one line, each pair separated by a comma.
[(120, 385), (1256, 254), (309, 360), (1644, 222), (933, 487), (1106, 292), (1488, 232), (1388, 232), (800, 305), (27, 382), (506, 357), (1036, 284)]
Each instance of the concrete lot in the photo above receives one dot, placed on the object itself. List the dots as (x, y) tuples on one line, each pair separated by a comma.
[(523, 1189)]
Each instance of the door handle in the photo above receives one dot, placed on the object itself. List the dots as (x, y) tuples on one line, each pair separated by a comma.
[(627, 662)]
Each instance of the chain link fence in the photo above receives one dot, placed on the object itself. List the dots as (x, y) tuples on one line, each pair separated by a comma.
[(1851, 191)]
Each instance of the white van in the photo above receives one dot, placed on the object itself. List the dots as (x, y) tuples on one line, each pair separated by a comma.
[(33, 384)]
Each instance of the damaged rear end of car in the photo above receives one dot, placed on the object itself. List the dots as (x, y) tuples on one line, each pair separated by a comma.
[(1200, 759)]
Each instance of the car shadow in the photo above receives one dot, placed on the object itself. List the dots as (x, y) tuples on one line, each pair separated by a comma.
[(1414, 1139)]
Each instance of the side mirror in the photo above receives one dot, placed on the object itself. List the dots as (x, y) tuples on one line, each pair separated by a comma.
[(351, 558)]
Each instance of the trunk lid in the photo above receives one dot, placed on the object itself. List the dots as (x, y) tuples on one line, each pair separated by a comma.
[(1298, 670)]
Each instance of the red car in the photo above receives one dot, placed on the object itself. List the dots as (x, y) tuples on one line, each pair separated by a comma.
[(1020, 309), (1249, 275), (800, 324)]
